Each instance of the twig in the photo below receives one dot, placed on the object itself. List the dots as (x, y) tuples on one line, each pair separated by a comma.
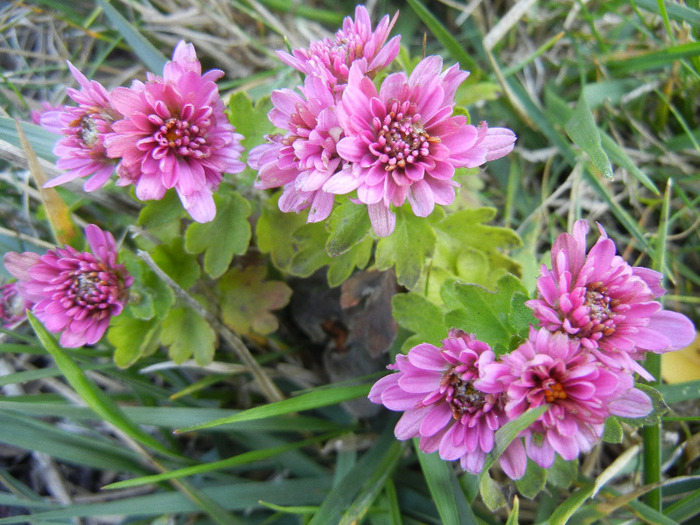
[(270, 390)]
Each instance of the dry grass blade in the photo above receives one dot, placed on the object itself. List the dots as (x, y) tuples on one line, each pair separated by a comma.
[(58, 213)]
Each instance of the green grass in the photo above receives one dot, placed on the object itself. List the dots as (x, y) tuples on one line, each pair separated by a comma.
[(604, 99)]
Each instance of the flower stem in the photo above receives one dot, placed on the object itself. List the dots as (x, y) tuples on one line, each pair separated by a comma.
[(652, 442), (652, 434)]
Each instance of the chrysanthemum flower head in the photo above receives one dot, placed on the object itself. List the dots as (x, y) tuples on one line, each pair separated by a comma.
[(81, 151), (437, 389), (174, 134), (553, 369), (331, 59), (403, 141), (12, 305), (303, 159), (605, 303), (75, 293)]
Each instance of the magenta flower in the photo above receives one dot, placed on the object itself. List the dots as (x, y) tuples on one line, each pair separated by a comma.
[(403, 142), (305, 157), (581, 393), (13, 306), (175, 134), (75, 293), (437, 389), (81, 151), (331, 59), (605, 303)]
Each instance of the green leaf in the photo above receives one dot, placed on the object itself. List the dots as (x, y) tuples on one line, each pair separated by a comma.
[(348, 225), (149, 55), (562, 474), (317, 398), (162, 211), (520, 317), (341, 267), (532, 483), (408, 247), (250, 120), (149, 296), (419, 315), (274, 230), (132, 338), (227, 235), (659, 408), (613, 432), (470, 250), (178, 264), (310, 254), (186, 333), (491, 492), (104, 406), (247, 300), (486, 314), (582, 130), (444, 488)]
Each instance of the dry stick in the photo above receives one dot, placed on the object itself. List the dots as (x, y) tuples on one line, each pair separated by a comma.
[(270, 390)]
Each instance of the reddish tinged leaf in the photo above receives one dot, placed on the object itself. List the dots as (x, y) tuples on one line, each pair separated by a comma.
[(247, 300)]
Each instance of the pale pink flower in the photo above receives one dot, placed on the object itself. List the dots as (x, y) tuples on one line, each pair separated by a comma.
[(403, 141), (331, 59), (581, 393), (75, 293), (303, 159), (81, 151), (437, 389), (605, 303), (13, 306), (48, 117), (175, 134)]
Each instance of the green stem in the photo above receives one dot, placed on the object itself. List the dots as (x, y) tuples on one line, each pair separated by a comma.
[(652, 442), (652, 434)]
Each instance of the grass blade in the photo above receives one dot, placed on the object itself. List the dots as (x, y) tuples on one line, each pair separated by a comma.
[(315, 399), (453, 47), (447, 494), (240, 459), (153, 59), (370, 469), (93, 396)]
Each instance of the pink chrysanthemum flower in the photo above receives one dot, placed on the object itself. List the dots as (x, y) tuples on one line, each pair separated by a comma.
[(75, 293), (331, 59), (12, 306), (437, 390), (581, 393), (403, 142), (605, 303), (48, 117), (81, 151), (303, 159), (175, 134)]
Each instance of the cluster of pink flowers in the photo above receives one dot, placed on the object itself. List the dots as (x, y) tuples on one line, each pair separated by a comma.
[(598, 317), (400, 141), (167, 132), (76, 293)]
